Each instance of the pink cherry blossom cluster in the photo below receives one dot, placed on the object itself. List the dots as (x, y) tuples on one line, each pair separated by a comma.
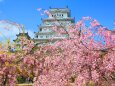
[(90, 61), (78, 59), (7, 70)]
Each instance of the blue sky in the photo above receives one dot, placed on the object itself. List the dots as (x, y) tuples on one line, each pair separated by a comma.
[(24, 11)]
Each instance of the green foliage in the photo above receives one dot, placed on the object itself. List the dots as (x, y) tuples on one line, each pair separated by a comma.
[(113, 76), (91, 83), (21, 79)]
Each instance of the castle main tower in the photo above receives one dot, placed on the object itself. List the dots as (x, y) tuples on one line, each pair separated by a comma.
[(59, 18)]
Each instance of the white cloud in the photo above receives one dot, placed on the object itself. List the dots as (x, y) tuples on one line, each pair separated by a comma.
[(10, 29)]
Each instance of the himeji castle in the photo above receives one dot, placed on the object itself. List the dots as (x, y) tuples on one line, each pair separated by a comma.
[(59, 18)]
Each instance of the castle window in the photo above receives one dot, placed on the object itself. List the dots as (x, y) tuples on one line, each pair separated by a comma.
[(47, 36), (54, 15), (41, 36), (40, 29), (36, 36)]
